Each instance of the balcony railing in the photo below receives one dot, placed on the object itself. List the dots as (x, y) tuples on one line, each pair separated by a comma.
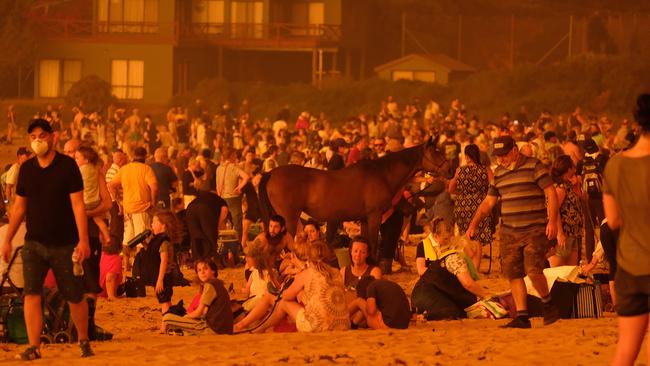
[(233, 34)]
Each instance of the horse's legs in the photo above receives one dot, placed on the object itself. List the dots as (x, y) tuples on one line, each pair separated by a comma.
[(291, 216), (372, 224)]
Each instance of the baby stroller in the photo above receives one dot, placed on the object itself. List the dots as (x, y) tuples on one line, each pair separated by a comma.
[(57, 324)]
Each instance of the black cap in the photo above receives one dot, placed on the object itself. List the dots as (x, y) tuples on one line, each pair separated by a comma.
[(502, 145), (23, 151), (41, 123)]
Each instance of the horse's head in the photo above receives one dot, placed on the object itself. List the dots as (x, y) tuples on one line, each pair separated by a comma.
[(433, 160)]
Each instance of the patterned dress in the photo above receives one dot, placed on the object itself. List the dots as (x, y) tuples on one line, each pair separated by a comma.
[(571, 212), (471, 188)]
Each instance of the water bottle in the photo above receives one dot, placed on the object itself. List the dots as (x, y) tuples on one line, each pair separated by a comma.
[(77, 268)]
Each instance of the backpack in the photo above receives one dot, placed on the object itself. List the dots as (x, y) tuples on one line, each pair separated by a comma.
[(592, 179)]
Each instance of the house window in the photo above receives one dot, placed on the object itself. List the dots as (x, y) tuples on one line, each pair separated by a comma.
[(402, 75), (309, 16), (208, 16), (127, 79), (247, 19), (427, 76), (128, 16), (55, 77)]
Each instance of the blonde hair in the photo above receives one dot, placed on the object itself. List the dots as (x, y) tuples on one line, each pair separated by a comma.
[(316, 252)]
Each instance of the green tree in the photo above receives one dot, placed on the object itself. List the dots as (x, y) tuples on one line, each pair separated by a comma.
[(91, 94), (16, 42)]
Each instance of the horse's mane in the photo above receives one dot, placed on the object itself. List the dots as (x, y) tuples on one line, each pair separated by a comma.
[(408, 155)]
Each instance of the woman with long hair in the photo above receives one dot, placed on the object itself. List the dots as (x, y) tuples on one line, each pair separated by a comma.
[(470, 184), (570, 225), (323, 296)]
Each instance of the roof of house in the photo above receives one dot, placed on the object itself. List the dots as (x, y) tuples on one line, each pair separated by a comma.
[(443, 60)]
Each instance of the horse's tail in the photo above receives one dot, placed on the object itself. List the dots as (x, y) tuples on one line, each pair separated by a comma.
[(265, 204)]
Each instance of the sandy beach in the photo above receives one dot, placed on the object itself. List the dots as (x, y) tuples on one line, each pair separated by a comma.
[(461, 342)]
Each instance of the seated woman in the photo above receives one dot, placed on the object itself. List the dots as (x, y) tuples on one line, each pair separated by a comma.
[(213, 310), (447, 283), (260, 273), (359, 267), (293, 263), (322, 305)]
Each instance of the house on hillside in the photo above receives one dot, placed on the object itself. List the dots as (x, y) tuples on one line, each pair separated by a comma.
[(437, 68), (150, 50)]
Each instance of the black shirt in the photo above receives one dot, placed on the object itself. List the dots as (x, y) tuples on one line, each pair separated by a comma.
[(165, 177), (50, 219), (392, 302), (336, 162)]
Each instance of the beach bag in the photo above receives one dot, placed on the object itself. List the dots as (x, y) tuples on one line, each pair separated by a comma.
[(589, 301), (13, 327), (133, 287), (486, 309)]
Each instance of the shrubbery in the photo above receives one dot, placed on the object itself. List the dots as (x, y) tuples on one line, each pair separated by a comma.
[(92, 93), (597, 83)]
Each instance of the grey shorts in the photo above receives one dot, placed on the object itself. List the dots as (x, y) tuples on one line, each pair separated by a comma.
[(39, 258)]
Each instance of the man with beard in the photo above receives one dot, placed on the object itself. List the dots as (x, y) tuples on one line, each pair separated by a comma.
[(275, 238)]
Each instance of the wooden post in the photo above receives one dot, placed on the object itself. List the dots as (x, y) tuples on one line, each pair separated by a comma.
[(460, 36), (220, 65), (20, 81), (570, 35), (512, 41), (403, 33), (320, 67), (314, 61)]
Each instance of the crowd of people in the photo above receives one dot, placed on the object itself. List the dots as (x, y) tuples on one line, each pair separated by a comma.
[(132, 195)]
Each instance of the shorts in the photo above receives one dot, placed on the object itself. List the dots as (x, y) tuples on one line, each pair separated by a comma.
[(91, 267), (39, 258), (109, 264), (572, 244), (168, 289), (523, 253), (134, 224), (302, 324), (632, 293)]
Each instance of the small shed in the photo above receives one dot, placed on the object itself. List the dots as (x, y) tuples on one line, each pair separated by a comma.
[(433, 68)]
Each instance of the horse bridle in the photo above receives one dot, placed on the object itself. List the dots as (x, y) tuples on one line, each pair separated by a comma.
[(430, 160)]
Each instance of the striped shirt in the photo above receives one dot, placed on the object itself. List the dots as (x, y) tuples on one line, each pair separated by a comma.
[(110, 173), (523, 203)]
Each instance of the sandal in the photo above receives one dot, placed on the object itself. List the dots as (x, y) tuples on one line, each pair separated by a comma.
[(30, 354)]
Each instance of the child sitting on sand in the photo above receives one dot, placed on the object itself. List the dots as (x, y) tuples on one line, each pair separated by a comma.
[(213, 310), (88, 161), (258, 264)]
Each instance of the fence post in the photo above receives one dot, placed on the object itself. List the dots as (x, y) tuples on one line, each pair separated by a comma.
[(460, 36), (570, 35), (512, 41)]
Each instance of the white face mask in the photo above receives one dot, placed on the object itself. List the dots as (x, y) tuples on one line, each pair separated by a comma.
[(40, 147)]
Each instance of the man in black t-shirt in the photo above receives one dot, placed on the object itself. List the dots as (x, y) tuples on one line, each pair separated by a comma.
[(164, 175), (49, 193), (383, 304)]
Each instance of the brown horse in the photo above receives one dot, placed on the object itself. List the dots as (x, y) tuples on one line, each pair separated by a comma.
[(363, 191)]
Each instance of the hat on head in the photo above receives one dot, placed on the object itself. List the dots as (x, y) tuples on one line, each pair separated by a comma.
[(338, 142), (502, 145), (23, 151), (40, 123), (590, 146), (582, 137)]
